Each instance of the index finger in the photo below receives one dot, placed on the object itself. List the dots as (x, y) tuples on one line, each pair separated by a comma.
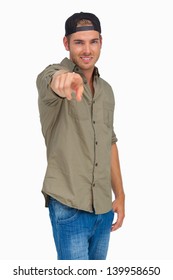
[(79, 92), (77, 86)]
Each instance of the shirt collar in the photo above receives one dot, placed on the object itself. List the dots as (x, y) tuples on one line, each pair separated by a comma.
[(75, 68)]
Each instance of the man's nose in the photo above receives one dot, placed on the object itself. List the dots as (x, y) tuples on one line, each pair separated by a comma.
[(87, 48)]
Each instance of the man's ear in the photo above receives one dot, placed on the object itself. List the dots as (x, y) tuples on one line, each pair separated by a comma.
[(66, 45), (101, 40)]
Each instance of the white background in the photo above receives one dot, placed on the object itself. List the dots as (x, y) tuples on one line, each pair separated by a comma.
[(137, 60)]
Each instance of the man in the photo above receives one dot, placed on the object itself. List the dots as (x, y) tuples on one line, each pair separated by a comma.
[(76, 111)]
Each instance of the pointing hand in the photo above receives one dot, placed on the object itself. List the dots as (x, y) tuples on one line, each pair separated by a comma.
[(63, 84)]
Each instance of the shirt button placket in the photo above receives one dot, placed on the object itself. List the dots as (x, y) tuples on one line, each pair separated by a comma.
[(95, 143)]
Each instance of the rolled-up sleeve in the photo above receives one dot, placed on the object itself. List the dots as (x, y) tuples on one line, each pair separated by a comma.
[(114, 138)]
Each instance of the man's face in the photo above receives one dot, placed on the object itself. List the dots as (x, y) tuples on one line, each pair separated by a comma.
[(84, 48)]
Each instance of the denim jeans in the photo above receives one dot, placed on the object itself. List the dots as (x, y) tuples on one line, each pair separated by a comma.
[(79, 235)]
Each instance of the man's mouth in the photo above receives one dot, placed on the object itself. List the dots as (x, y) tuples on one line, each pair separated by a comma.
[(86, 59)]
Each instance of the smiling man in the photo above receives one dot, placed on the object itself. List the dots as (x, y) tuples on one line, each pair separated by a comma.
[(76, 112)]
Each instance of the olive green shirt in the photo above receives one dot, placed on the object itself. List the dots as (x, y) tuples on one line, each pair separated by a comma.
[(78, 137)]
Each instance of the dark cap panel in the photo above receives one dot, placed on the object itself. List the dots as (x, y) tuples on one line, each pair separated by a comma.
[(71, 23)]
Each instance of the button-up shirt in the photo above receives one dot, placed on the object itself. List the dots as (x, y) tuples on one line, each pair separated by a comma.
[(78, 137)]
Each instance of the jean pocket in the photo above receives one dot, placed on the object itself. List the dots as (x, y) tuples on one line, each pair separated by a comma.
[(63, 213)]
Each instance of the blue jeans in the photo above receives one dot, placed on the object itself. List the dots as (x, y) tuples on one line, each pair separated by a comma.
[(79, 235)]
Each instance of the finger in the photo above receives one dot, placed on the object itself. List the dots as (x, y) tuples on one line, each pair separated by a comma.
[(73, 83), (77, 85), (68, 96), (61, 84), (118, 222), (79, 93), (116, 226), (67, 87)]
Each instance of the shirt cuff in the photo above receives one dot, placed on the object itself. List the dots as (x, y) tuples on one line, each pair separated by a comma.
[(114, 138)]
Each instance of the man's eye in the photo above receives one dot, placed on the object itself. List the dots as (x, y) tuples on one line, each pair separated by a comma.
[(78, 43), (95, 42)]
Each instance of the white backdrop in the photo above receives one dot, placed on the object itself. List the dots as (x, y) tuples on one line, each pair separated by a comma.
[(137, 60)]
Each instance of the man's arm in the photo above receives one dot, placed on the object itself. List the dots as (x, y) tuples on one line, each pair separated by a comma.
[(118, 204)]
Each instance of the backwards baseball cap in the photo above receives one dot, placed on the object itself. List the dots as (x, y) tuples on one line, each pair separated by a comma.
[(71, 23)]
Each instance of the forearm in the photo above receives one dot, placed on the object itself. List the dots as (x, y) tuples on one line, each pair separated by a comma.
[(116, 177), (118, 204)]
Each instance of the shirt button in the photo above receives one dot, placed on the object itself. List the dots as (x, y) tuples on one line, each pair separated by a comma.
[(94, 122), (96, 143), (96, 164), (94, 185)]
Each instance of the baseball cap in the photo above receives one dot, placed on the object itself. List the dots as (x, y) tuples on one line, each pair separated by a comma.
[(71, 23)]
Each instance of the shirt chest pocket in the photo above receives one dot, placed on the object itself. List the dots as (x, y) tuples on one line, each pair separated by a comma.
[(78, 110), (108, 114)]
